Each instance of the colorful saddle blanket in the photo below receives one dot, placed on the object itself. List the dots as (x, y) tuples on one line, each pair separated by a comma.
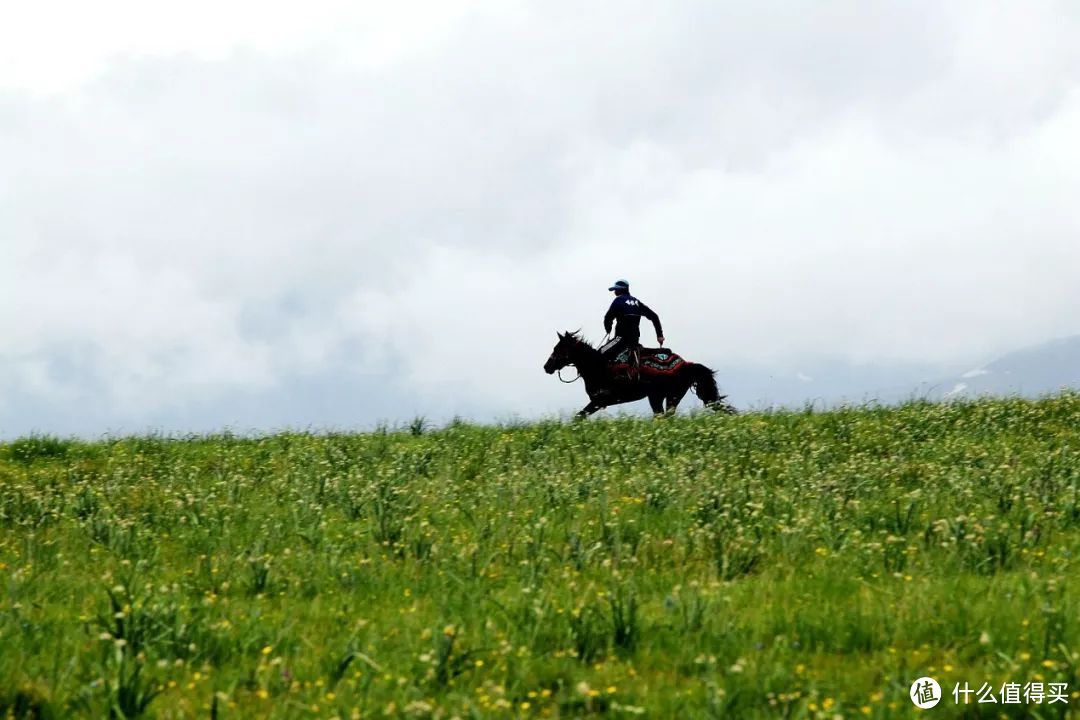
[(651, 361)]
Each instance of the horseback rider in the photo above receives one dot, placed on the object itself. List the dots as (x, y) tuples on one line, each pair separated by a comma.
[(626, 312)]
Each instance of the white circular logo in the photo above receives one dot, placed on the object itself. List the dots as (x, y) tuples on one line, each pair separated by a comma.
[(925, 693)]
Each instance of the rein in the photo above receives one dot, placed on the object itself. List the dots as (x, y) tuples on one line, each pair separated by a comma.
[(559, 374), (576, 368)]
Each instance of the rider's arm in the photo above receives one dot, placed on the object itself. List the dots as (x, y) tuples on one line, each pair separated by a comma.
[(610, 316), (647, 312)]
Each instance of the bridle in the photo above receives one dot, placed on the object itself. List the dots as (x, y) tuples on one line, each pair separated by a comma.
[(558, 373)]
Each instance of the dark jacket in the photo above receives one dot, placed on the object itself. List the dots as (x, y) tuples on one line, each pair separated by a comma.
[(626, 311)]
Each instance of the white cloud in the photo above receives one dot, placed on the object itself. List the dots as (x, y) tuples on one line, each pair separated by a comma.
[(188, 208), (50, 45)]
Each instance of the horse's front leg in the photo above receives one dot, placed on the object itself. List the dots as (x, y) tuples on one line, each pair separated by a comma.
[(656, 402), (589, 409)]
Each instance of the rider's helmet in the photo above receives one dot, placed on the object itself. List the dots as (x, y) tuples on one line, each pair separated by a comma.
[(619, 285)]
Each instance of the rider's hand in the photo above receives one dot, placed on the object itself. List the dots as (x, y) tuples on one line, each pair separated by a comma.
[(660, 339)]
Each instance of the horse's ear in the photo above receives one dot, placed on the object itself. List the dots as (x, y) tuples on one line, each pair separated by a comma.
[(561, 336)]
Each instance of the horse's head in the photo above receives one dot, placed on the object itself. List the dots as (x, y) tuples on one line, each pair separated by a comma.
[(562, 355)]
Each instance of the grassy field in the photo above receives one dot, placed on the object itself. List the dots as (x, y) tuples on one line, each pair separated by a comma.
[(767, 565)]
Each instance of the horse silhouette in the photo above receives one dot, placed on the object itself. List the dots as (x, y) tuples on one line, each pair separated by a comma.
[(661, 376)]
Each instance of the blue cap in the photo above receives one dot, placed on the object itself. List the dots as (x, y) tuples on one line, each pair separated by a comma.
[(620, 285)]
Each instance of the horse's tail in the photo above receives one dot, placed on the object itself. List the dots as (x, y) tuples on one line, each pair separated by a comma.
[(703, 380)]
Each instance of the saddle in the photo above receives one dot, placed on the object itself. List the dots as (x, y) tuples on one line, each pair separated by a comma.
[(641, 363)]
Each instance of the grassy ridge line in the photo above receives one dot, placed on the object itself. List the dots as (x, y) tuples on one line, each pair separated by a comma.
[(789, 564)]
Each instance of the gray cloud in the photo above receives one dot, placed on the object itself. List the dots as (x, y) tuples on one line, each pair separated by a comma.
[(872, 181)]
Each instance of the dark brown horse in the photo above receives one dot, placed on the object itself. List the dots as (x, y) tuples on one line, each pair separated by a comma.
[(605, 387)]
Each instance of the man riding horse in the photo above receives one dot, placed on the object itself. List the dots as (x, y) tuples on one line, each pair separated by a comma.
[(663, 377), (626, 311)]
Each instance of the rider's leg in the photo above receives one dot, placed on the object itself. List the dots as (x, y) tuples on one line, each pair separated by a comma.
[(611, 349)]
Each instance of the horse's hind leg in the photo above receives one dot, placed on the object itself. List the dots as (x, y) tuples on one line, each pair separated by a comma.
[(675, 397)]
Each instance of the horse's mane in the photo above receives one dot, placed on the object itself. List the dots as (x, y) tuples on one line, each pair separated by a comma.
[(579, 338), (584, 347)]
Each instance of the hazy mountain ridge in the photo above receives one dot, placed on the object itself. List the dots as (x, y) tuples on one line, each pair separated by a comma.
[(344, 401), (1032, 371)]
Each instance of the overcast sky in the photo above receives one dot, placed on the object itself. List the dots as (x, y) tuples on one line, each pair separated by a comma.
[(262, 214)]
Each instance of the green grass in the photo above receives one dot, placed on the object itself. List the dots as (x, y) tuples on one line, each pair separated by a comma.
[(766, 565)]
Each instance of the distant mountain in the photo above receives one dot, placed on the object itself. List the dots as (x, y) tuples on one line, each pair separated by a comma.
[(1033, 371), (828, 382)]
